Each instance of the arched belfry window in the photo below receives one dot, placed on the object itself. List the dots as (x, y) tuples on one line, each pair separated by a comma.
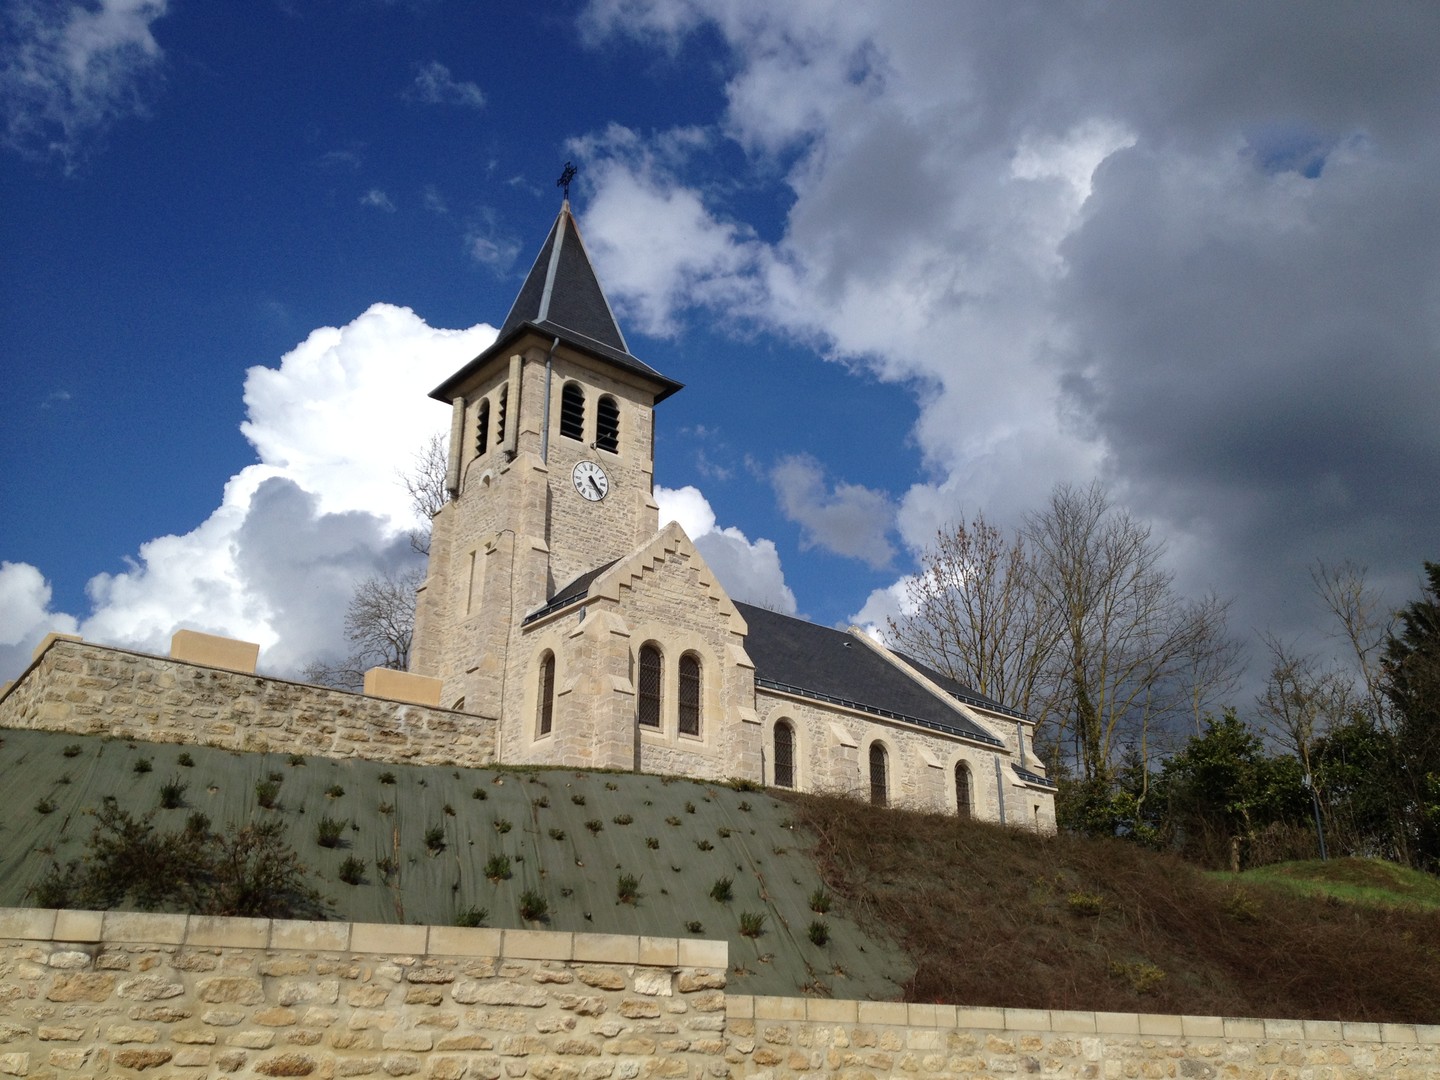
[(879, 775), (647, 688), (689, 694), (962, 789), (482, 426), (784, 755), (572, 411), (545, 719), (607, 424), (500, 419)]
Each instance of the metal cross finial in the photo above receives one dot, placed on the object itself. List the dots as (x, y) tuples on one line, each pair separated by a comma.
[(566, 175)]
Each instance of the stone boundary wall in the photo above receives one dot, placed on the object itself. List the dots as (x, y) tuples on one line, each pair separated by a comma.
[(773, 1037), (86, 993), (88, 689)]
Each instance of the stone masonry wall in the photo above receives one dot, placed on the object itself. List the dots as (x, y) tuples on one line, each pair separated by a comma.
[(774, 1038), (95, 690), (118, 994)]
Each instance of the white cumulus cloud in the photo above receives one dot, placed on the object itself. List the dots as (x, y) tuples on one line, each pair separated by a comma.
[(748, 571), (323, 507)]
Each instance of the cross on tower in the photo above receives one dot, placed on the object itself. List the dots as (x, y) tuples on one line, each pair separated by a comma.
[(566, 175)]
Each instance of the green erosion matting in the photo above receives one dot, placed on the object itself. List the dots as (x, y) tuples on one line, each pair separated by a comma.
[(552, 843)]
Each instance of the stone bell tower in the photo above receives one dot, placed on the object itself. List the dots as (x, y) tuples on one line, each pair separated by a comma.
[(550, 474)]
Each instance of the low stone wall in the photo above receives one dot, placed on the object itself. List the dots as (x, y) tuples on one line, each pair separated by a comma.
[(775, 1037), (87, 994), (86, 689)]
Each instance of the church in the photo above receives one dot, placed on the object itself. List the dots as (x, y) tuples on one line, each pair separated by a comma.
[(556, 603), (560, 624)]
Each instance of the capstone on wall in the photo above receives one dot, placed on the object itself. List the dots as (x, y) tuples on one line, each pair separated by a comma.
[(90, 689)]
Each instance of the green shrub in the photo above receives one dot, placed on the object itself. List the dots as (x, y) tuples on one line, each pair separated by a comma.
[(387, 777), (622, 819), (472, 916), (672, 821), (45, 806), (533, 906), (435, 839), (689, 808), (502, 825), (172, 793), (267, 793), (704, 845), (1141, 975), (185, 760), (578, 799), (722, 890), (653, 843), (627, 889), (695, 926), (296, 759), (497, 868), (352, 870), (143, 765), (821, 900), (334, 791), (818, 932), (752, 923), (329, 832), (1087, 904), (594, 825), (479, 793), (71, 750), (557, 834)]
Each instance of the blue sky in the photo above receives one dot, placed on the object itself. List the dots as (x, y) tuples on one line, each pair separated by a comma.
[(911, 263)]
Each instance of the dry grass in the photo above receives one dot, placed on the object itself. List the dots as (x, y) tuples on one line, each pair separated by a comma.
[(989, 916)]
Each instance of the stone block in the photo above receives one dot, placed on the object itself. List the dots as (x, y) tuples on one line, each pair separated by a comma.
[(1203, 1027), (35, 924), (1244, 1027), (1398, 1033), (780, 1008), (1323, 1030), (223, 932), (402, 686), (1160, 1024), (704, 954), (388, 939), (309, 935), (606, 949), (463, 941), (1073, 1022), (655, 951), (1354, 1032), (139, 927), (1026, 1019), (211, 650), (51, 639), (538, 945), (979, 1017), (739, 1007), (894, 1013)]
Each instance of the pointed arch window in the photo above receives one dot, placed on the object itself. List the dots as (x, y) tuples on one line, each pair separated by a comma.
[(784, 755), (689, 694), (647, 689), (482, 426), (572, 411), (607, 424), (879, 775), (962, 789), (546, 708)]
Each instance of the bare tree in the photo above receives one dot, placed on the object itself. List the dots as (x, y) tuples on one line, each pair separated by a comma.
[(379, 624), (1134, 653), (1301, 700), (1363, 620), (1072, 620), (973, 614), (425, 484)]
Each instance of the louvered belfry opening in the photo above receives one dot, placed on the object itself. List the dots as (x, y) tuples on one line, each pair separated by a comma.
[(482, 427), (607, 424), (784, 755), (647, 697), (500, 419), (879, 778), (572, 411), (689, 694)]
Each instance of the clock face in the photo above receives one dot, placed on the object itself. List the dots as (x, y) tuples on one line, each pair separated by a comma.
[(590, 481)]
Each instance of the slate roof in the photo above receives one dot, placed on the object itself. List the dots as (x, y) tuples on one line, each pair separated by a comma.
[(799, 657), (562, 298)]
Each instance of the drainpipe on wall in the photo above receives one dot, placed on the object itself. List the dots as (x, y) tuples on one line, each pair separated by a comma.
[(1000, 788)]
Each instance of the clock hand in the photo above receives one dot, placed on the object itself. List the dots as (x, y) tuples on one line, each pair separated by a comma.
[(594, 485)]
